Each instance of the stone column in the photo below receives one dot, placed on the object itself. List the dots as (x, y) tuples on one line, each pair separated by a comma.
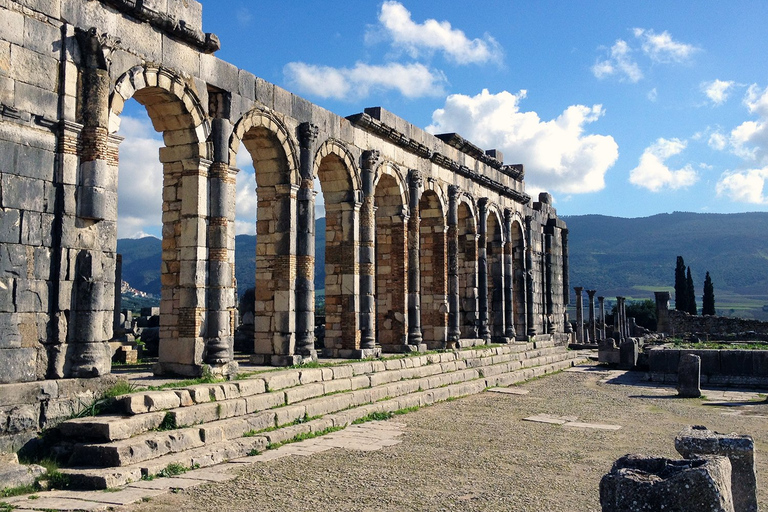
[(619, 319), (509, 313), (579, 315), (415, 183), (454, 331), (592, 319), (625, 320), (219, 343), (603, 334), (529, 280), (367, 254), (662, 312), (483, 330), (305, 246), (566, 283), (549, 276)]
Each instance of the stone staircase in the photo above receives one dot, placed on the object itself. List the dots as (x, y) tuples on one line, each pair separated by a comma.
[(206, 424)]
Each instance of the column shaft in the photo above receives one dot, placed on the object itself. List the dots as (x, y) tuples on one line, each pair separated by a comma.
[(414, 274)]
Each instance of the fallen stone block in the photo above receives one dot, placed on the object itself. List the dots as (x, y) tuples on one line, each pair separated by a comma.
[(637, 483), (740, 450), (689, 376)]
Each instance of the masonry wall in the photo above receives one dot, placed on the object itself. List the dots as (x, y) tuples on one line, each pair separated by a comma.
[(67, 67)]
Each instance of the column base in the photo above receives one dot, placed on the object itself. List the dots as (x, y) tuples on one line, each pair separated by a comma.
[(501, 339), (226, 370), (470, 342), (282, 360), (177, 370)]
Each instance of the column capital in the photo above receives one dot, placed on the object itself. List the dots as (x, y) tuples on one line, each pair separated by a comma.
[(578, 289), (370, 158), (415, 178), (307, 135), (454, 191), (591, 293)]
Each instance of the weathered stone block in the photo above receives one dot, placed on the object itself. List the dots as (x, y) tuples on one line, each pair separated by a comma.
[(696, 441), (111, 428), (689, 376), (264, 401), (638, 483)]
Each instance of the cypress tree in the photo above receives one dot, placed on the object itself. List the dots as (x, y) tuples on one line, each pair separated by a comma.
[(681, 287), (708, 301), (691, 294)]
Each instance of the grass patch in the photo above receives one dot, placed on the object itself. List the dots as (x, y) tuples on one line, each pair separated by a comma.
[(18, 491), (210, 379), (168, 423), (717, 345), (304, 437)]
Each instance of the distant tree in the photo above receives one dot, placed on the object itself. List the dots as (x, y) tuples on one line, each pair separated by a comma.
[(681, 287), (644, 313), (691, 294), (708, 301)]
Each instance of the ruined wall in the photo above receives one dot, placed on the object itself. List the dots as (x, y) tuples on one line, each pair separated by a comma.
[(716, 327), (67, 67)]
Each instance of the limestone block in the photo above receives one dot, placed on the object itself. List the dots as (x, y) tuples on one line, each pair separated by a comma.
[(639, 483), (17, 364), (311, 375), (336, 385), (261, 421), (6, 84), (41, 38), (289, 414), (689, 376), (250, 387), (23, 193), (325, 405), (264, 401), (34, 68), (303, 392), (13, 26), (107, 428), (17, 475), (195, 414), (141, 403), (342, 372), (281, 380), (696, 441), (22, 418), (247, 84), (137, 449), (179, 56), (219, 73)]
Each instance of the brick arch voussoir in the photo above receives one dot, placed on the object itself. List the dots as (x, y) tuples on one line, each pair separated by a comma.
[(493, 209), (441, 203), (340, 150), (258, 118), (141, 77)]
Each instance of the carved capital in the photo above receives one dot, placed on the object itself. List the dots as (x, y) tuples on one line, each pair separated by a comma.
[(415, 178), (370, 158), (96, 49), (307, 135), (454, 191)]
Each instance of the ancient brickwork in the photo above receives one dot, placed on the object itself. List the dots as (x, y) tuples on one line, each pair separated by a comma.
[(430, 240)]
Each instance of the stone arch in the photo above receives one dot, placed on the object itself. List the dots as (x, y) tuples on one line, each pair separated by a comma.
[(517, 240), (467, 264), (391, 255), (341, 186), (256, 125), (176, 112), (433, 265), (495, 261), (275, 163)]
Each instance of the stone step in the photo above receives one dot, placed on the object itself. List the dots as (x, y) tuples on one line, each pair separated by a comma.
[(212, 402), (219, 451)]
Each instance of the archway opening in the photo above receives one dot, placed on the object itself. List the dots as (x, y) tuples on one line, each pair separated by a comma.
[(518, 281), (495, 258), (467, 261), (433, 270)]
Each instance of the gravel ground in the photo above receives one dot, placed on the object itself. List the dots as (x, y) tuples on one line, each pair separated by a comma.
[(476, 454)]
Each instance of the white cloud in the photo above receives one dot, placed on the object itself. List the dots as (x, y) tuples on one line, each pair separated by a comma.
[(717, 141), (653, 95), (653, 173), (411, 80), (244, 16), (140, 179), (744, 186), (749, 140), (662, 48), (717, 90), (619, 63), (418, 39), (558, 155)]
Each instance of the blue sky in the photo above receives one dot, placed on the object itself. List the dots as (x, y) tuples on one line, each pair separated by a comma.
[(617, 108)]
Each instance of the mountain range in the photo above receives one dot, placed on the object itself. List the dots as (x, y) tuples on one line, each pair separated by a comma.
[(615, 256)]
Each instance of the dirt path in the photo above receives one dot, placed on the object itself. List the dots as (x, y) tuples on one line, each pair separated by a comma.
[(476, 453)]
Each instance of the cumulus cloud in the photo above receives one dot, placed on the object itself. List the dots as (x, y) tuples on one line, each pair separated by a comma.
[(558, 155), (653, 95), (717, 90), (744, 186), (418, 39), (619, 63), (140, 179), (717, 141), (662, 48), (749, 140), (411, 80), (653, 173)]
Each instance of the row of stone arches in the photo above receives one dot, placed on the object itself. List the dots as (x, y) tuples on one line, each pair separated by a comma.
[(407, 262)]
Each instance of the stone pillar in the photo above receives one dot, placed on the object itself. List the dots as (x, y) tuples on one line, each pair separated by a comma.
[(305, 246), (579, 314), (625, 320), (509, 314), (566, 283), (662, 312), (699, 441), (592, 319), (603, 334), (219, 343), (689, 376), (367, 254), (483, 329), (529, 281), (415, 338), (454, 331), (549, 276), (618, 322)]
